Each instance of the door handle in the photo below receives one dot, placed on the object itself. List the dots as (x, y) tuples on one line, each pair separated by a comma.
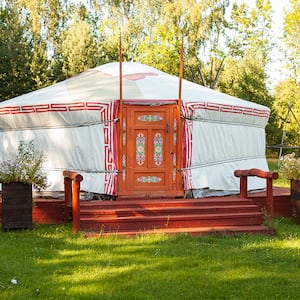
[(167, 127)]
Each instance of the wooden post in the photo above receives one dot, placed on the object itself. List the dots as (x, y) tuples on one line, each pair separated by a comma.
[(243, 186), (269, 199), (72, 189), (76, 205), (269, 176)]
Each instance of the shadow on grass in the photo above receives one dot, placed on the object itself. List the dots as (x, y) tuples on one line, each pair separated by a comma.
[(51, 263)]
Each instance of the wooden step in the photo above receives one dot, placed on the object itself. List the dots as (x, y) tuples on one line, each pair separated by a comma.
[(164, 211), (195, 216), (165, 203), (173, 221)]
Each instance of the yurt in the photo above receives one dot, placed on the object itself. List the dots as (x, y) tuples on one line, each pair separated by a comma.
[(134, 135)]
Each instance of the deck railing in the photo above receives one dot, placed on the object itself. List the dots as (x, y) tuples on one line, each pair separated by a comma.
[(72, 190), (269, 176)]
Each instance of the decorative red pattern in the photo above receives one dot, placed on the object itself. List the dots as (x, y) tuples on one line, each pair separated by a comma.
[(110, 149), (53, 107), (190, 107), (187, 153), (187, 179)]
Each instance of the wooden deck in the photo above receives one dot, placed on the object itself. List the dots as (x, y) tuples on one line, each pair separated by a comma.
[(217, 215)]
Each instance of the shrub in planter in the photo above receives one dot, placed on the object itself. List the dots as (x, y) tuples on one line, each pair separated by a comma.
[(17, 176)]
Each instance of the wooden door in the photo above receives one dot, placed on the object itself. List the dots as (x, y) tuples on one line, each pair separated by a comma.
[(150, 151)]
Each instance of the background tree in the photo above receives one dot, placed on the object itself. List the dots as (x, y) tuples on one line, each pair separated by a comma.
[(207, 46), (127, 18), (160, 48), (292, 39), (15, 53), (287, 92), (245, 73), (78, 49)]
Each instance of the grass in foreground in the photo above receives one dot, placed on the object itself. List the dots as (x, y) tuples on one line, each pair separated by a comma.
[(50, 262)]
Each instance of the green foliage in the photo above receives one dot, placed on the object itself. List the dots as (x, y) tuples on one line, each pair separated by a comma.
[(287, 95), (207, 45), (161, 50), (287, 91), (50, 262), (246, 79), (292, 39), (39, 66), (15, 54), (79, 49), (68, 38), (25, 167)]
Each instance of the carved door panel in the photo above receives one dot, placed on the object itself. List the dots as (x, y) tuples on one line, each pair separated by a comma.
[(149, 147)]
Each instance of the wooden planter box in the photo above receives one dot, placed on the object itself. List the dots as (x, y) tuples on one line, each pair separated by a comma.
[(16, 206), (295, 199)]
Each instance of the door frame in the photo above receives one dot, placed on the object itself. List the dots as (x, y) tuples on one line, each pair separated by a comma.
[(175, 189)]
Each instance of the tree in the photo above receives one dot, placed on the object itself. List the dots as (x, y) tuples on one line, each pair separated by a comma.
[(48, 18), (161, 47), (162, 50), (132, 20), (292, 39), (15, 53), (78, 49), (245, 73), (287, 92)]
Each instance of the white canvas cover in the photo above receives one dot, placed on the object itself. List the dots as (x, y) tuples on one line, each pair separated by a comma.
[(74, 123)]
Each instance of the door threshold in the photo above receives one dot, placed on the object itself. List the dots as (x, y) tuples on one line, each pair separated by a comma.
[(149, 195)]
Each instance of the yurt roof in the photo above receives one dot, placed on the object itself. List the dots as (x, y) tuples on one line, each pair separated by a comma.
[(140, 82)]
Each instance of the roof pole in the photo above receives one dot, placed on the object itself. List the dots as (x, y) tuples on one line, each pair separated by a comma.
[(179, 158), (120, 74), (120, 131), (180, 75)]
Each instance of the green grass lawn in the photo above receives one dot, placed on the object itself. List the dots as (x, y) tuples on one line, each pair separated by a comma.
[(49, 262)]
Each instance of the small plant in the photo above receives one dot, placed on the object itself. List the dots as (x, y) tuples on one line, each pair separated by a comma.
[(290, 167), (26, 167)]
